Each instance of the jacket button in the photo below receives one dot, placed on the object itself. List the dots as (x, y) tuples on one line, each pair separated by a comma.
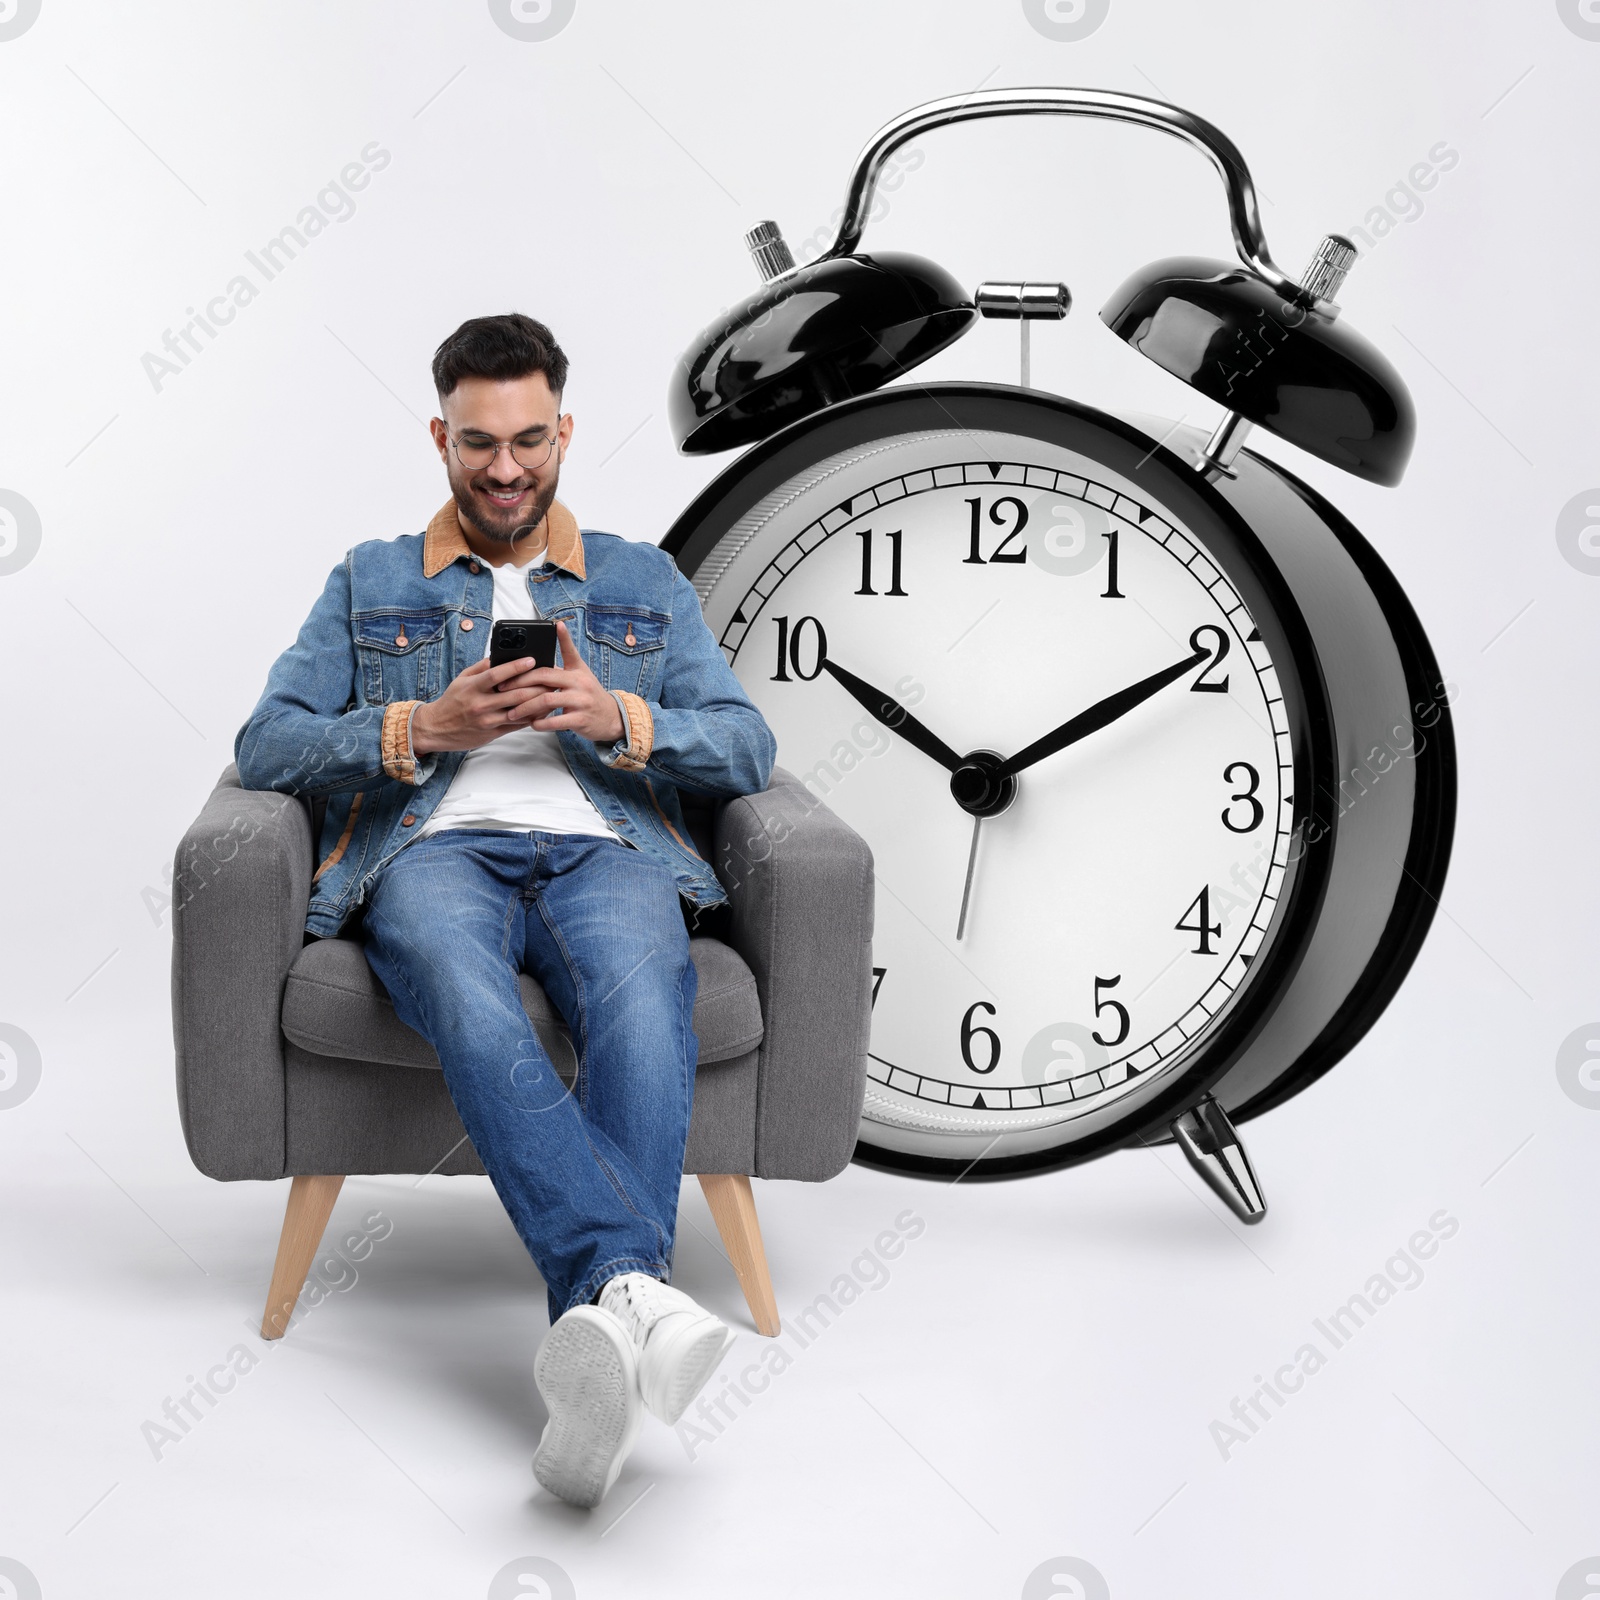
[(473, 567), (466, 624), (401, 641), (407, 820)]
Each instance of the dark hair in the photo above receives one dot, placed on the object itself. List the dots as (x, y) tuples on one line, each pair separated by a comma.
[(504, 347)]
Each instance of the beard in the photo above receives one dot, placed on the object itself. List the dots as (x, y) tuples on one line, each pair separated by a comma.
[(494, 522)]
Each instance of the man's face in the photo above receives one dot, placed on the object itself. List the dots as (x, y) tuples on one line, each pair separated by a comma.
[(504, 499)]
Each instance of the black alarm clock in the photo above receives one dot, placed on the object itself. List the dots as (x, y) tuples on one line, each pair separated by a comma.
[(1152, 753)]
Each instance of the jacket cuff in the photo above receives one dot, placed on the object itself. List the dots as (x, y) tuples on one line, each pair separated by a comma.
[(398, 760), (632, 751)]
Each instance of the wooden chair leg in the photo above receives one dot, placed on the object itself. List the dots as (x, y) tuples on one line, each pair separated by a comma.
[(734, 1207), (310, 1205)]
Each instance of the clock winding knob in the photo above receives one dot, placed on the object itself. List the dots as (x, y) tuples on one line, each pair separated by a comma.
[(769, 251), (1330, 266)]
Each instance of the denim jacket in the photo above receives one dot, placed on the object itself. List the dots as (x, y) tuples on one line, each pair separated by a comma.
[(399, 618)]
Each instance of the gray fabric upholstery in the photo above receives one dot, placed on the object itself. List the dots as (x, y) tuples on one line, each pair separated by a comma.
[(407, 1123), (351, 1116), (802, 890), (335, 1005), (241, 882), (782, 1011)]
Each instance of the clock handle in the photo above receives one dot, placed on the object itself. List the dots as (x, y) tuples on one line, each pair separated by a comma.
[(1108, 104)]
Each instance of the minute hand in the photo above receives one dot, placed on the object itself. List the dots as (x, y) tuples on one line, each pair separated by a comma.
[(895, 717), (1098, 715)]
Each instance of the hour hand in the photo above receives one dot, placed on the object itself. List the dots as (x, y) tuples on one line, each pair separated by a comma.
[(894, 716)]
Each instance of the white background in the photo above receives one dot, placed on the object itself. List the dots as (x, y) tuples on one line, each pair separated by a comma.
[(1039, 1377)]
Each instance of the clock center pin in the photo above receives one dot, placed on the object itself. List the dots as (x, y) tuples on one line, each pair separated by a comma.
[(978, 787)]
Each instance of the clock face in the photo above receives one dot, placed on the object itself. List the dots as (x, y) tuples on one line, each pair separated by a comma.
[(1049, 954)]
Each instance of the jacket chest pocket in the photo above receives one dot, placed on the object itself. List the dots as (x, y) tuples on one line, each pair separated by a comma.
[(401, 654), (626, 645)]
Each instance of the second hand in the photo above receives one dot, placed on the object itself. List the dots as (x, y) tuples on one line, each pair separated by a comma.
[(966, 892)]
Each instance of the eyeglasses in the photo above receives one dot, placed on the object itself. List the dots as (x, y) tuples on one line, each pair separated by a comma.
[(530, 451)]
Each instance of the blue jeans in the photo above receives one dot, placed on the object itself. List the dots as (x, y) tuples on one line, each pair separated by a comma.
[(590, 1177)]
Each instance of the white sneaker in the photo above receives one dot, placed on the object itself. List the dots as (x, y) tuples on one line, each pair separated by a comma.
[(677, 1344), (587, 1373)]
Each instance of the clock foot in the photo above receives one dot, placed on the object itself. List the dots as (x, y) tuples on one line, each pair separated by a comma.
[(1214, 1151)]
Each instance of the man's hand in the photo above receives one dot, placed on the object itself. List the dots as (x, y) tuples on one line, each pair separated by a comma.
[(482, 703), (568, 697)]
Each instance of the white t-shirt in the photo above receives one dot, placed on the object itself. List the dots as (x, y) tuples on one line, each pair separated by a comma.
[(521, 780)]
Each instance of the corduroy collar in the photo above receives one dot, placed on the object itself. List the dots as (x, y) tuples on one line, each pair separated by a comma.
[(444, 541)]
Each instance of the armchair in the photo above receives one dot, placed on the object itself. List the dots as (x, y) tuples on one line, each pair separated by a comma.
[(292, 1063)]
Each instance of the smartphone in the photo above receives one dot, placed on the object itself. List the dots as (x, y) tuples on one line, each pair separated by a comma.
[(511, 641)]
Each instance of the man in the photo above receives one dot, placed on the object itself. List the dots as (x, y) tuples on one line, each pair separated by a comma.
[(483, 820)]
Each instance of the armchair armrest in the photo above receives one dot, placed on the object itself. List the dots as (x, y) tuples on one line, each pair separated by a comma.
[(801, 887), (241, 884)]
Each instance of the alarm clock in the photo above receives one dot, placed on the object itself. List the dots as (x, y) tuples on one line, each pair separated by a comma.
[(1150, 748)]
